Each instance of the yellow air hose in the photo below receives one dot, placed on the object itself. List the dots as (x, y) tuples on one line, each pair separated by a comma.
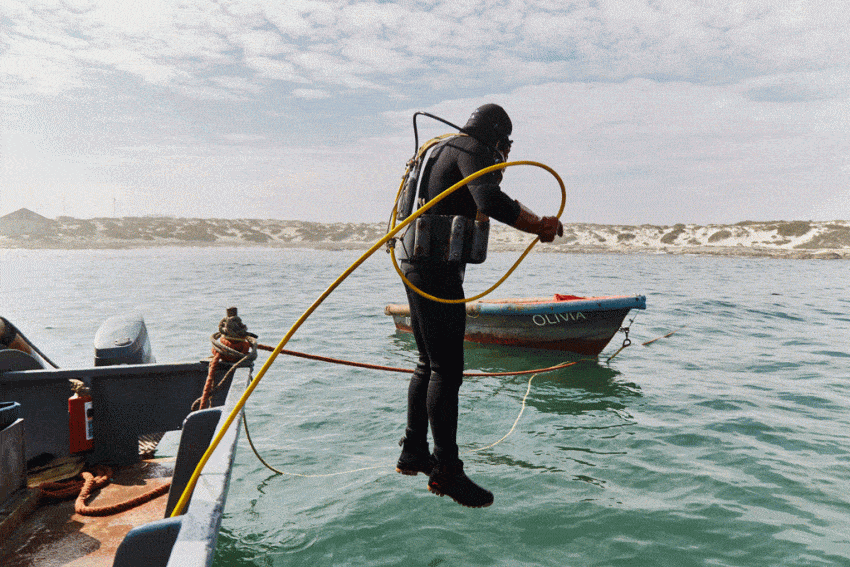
[(444, 194), (193, 480)]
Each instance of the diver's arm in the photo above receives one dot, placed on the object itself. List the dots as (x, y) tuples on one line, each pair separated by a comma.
[(489, 198), (546, 228), (495, 203)]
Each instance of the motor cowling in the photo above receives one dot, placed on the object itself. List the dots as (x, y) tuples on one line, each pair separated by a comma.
[(122, 339)]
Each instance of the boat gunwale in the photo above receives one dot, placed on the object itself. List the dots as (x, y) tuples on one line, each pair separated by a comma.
[(522, 307), (538, 306), (200, 524)]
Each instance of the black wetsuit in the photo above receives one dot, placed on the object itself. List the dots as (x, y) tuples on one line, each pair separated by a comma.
[(459, 157), (439, 327)]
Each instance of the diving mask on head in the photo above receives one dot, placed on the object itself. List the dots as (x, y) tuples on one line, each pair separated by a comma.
[(503, 146)]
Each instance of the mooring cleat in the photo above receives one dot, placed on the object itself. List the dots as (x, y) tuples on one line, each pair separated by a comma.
[(451, 481)]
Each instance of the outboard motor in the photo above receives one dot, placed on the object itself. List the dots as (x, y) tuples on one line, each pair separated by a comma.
[(122, 339)]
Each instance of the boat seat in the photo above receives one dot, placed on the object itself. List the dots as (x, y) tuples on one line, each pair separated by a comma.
[(11, 359)]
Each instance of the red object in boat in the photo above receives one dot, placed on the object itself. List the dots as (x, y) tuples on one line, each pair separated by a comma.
[(80, 423)]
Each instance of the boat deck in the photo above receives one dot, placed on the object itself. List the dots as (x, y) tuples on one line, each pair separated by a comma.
[(53, 534)]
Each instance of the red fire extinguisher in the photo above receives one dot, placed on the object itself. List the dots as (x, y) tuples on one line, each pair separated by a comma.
[(80, 420)]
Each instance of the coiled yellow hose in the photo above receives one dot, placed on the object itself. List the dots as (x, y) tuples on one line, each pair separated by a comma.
[(193, 480), (444, 194)]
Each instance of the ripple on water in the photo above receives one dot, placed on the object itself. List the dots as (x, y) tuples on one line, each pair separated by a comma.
[(724, 443)]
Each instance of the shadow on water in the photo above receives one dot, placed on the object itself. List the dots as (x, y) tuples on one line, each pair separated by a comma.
[(588, 385), (588, 374), (574, 418)]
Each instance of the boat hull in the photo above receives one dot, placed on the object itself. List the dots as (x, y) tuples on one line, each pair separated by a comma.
[(580, 325), (132, 400), (134, 404)]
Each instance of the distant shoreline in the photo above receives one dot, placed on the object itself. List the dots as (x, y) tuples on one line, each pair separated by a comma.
[(775, 239), (738, 252)]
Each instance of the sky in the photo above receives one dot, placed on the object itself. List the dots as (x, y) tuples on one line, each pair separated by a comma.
[(650, 111)]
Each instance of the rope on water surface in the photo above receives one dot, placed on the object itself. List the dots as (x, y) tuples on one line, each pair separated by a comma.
[(390, 465), (670, 334), (223, 348), (408, 370), (534, 374), (521, 410)]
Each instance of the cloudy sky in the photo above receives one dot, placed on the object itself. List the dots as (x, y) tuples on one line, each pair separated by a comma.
[(652, 111)]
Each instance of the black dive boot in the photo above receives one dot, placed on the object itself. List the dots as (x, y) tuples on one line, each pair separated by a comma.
[(450, 480), (414, 460)]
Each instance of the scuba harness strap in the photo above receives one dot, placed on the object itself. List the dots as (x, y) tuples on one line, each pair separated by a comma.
[(410, 185), (431, 237)]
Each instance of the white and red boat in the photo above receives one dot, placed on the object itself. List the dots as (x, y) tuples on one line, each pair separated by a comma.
[(584, 325)]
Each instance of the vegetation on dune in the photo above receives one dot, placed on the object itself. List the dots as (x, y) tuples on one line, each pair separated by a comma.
[(777, 238)]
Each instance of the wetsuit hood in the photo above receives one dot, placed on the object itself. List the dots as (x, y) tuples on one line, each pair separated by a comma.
[(490, 124)]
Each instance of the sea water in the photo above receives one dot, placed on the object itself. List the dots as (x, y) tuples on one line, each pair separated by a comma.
[(725, 443)]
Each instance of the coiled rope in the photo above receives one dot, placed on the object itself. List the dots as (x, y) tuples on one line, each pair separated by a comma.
[(231, 344), (85, 483)]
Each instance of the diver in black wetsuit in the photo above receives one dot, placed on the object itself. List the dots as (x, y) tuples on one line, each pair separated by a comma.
[(439, 327)]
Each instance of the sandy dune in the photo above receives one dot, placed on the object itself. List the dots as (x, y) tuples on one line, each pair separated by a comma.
[(781, 239)]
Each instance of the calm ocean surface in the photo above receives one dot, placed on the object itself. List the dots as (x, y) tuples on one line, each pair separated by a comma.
[(727, 443)]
